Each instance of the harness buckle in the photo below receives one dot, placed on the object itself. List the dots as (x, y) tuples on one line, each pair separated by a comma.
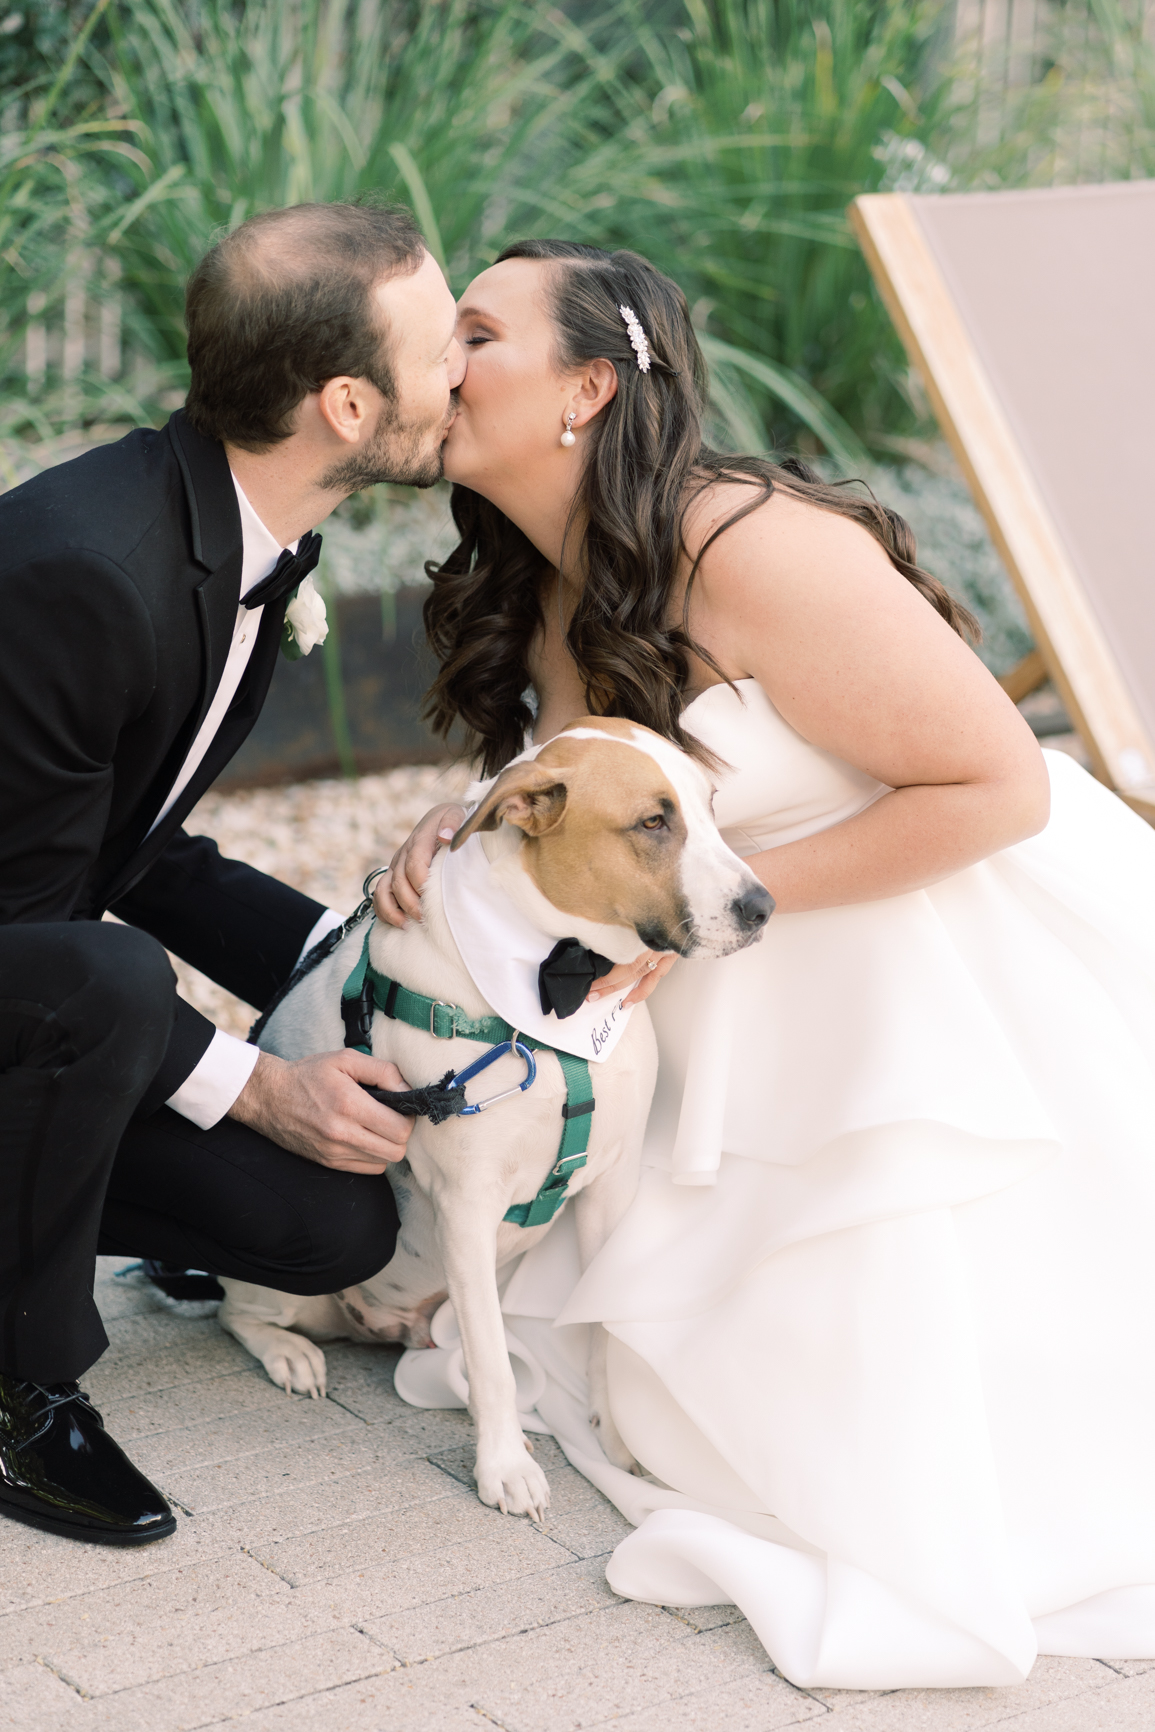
[(440, 1004)]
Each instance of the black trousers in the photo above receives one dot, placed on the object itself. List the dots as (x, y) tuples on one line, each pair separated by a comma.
[(86, 1009)]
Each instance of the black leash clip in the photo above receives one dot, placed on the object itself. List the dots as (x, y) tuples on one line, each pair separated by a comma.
[(366, 904)]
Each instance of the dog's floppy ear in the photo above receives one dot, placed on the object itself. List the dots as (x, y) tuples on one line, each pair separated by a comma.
[(527, 795)]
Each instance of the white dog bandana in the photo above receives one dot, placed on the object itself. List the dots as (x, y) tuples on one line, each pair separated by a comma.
[(503, 951)]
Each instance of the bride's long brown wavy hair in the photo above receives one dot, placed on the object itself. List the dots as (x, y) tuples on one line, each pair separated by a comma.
[(646, 463)]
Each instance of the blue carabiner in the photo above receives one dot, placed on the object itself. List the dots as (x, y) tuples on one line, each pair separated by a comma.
[(483, 1063)]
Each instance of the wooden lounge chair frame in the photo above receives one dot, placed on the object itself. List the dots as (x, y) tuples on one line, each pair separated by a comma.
[(1070, 640)]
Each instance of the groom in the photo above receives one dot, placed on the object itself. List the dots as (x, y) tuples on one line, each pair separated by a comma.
[(143, 590)]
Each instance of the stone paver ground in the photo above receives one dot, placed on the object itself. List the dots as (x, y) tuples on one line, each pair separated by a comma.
[(332, 1571)]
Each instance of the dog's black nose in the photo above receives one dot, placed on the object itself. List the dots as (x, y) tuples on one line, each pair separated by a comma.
[(753, 908)]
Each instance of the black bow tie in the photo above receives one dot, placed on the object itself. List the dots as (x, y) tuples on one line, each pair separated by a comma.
[(290, 570), (566, 976)]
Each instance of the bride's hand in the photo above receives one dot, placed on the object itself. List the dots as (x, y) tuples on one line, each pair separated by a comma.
[(397, 893), (644, 973)]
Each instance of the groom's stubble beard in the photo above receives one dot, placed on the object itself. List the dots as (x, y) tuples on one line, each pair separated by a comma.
[(395, 453)]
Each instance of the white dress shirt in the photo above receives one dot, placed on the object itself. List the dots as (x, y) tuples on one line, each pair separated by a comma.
[(209, 1091)]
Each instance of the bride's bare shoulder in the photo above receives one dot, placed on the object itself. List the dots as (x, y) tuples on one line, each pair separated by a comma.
[(779, 526)]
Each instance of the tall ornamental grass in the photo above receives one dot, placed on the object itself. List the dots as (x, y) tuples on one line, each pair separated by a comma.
[(736, 145), (723, 138), (249, 108)]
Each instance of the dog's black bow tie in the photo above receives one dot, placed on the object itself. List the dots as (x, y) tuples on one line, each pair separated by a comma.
[(290, 570), (566, 976)]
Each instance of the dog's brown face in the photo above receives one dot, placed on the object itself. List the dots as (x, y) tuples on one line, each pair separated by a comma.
[(619, 831)]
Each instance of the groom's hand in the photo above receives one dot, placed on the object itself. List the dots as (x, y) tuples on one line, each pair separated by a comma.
[(316, 1108)]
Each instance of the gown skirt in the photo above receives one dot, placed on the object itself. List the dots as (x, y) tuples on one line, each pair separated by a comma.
[(882, 1315)]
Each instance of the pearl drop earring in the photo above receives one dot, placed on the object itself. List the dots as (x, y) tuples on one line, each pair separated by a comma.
[(569, 437)]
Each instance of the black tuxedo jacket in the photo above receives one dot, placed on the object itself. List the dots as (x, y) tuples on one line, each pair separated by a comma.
[(120, 577)]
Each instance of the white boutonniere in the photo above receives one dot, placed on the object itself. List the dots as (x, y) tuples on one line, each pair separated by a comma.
[(306, 623)]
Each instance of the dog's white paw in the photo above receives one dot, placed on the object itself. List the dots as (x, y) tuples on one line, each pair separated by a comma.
[(511, 1481), (613, 1446), (296, 1365)]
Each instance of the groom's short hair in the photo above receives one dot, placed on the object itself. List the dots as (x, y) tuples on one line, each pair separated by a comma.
[(286, 302)]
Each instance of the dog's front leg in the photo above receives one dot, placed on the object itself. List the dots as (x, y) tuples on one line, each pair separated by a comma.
[(257, 1315), (506, 1473), (597, 1210)]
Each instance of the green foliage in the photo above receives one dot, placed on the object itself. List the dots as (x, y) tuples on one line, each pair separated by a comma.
[(740, 140), (35, 40), (56, 153), (722, 138), (269, 105), (219, 109)]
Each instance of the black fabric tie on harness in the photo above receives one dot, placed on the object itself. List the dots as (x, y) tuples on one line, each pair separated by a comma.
[(436, 1101), (566, 975)]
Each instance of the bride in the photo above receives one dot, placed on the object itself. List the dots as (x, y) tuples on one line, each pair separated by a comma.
[(881, 1315)]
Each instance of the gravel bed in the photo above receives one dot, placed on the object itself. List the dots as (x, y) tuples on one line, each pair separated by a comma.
[(322, 837)]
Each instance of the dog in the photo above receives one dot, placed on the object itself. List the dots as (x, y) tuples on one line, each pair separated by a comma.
[(605, 840)]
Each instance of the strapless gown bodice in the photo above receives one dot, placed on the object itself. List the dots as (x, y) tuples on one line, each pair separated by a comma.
[(839, 1019), (881, 1314), (774, 787)]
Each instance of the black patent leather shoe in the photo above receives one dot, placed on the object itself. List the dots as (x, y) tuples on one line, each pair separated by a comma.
[(60, 1470), (188, 1293), (183, 1284)]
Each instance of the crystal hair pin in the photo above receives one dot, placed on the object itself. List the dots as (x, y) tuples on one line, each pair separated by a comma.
[(637, 338)]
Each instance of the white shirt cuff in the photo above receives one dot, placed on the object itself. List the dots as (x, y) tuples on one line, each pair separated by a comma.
[(208, 1092), (328, 921)]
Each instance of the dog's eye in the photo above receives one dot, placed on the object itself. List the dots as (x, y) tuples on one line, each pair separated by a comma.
[(657, 822)]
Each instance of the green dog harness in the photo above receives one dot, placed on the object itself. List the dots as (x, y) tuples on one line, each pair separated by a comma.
[(366, 991)]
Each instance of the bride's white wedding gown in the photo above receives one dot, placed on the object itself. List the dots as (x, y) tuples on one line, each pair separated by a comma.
[(883, 1312)]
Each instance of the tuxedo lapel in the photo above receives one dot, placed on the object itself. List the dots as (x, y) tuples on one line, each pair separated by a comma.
[(217, 545), (235, 726), (233, 731), (214, 515)]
